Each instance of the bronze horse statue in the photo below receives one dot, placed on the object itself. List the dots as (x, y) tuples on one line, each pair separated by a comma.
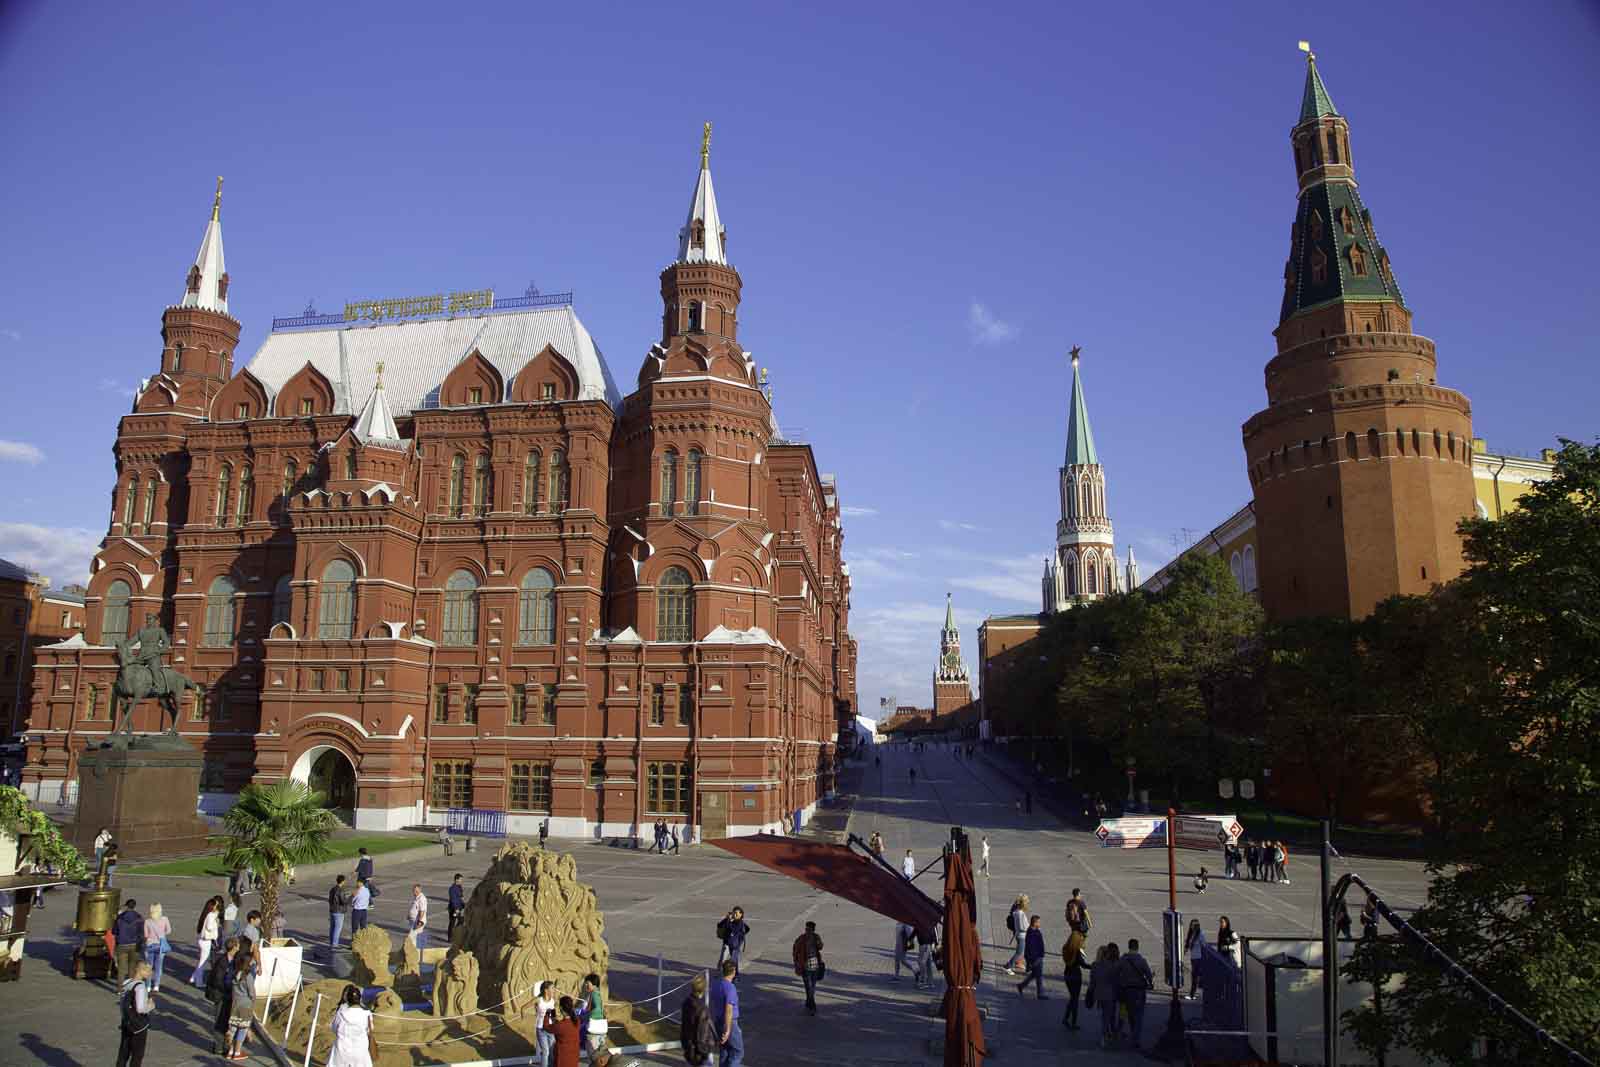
[(136, 683)]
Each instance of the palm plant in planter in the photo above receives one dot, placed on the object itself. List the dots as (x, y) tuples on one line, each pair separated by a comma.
[(272, 828)]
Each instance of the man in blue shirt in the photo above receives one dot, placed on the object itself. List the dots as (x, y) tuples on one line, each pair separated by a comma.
[(458, 904), (725, 1016)]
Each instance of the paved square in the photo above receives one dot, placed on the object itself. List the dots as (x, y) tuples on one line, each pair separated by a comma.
[(667, 907)]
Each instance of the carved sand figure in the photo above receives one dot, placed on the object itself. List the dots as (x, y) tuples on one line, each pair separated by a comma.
[(455, 986), (370, 950)]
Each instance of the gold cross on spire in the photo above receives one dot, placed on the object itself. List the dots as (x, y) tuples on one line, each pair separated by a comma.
[(216, 205), (705, 147), (380, 374), (1074, 354)]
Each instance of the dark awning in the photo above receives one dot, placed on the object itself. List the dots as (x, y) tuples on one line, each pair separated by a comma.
[(838, 870)]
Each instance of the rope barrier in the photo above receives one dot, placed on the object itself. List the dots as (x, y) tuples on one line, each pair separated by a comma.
[(468, 1015)]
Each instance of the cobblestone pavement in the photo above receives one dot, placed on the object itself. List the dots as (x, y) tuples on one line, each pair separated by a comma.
[(666, 907)]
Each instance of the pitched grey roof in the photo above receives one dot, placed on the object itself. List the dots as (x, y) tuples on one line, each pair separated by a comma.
[(10, 572), (417, 355)]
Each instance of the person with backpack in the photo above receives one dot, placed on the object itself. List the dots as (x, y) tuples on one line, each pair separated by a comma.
[(904, 938), (136, 1008), (808, 963), (127, 930), (1017, 925), (696, 1033), (1134, 981), (1033, 956), (732, 931), (1077, 913)]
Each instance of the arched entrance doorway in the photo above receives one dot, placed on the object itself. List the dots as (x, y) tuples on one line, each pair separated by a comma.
[(329, 771)]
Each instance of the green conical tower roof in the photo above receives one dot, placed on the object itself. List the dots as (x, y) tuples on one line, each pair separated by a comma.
[(1080, 439), (1315, 103), (949, 615)]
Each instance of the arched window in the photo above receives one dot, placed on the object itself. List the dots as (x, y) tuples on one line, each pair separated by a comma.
[(1090, 576), (691, 482), (336, 614), (669, 481), (694, 315), (1070, 565), (177, 358), (1249, 568), (1436, 444), (1333, 150), (1374, 446), (127, 504), (114, 623), (291, 475), (480, 483), (458, 466), (1400, 442), (461, 609), (674, 606), (1236, 565), (224, 481), (1350, 444), (530, 483), (247, 496), (220, 612), (149, 501), (558, 480), (282, 598), (350, 465), (537, 615)]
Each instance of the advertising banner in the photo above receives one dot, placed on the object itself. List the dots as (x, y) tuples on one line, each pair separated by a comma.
[(1132, 832), (1209, 832)]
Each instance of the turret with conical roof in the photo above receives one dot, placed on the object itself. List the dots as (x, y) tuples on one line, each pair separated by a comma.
[(700, 291), (952, 688), (198, 331), (1359, 462), (1084, 565)]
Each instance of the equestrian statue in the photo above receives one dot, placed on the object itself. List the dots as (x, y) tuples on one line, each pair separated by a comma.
[(143, 675)]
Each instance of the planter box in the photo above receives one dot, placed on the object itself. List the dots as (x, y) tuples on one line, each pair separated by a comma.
[(284, 954)]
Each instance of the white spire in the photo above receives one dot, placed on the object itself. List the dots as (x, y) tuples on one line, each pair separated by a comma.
[(702, 237), (1133, 571), (376, 425), (207, 284)]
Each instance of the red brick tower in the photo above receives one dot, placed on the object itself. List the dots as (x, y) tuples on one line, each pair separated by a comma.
[(952, 688), (1361, 462)]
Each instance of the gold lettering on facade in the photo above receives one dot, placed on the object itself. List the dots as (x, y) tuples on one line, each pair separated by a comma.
[(416, 306)]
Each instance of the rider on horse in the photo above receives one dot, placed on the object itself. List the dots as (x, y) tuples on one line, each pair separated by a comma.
[(153, 644)]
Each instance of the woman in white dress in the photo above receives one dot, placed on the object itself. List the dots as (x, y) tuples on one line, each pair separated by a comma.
[(352, 1032)]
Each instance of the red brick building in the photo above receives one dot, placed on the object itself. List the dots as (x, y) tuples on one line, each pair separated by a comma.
[(31, 614), (424, 555)]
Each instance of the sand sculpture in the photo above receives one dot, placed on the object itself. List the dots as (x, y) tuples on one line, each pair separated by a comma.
[(370, 950), (455, 986)]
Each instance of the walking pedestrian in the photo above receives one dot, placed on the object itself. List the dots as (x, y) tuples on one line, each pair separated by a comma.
[(1103, 992), (242, 1009), (566, 1033), (456, 907), (1227, 941), (1017, 924), (732, 931), (339, 899), (1077, 913), (808, 963), (984, 868), (359, 905), (593, 1010), (725, 1013), (230, 917), (206, 931), (544, 832), (908, 866), (1077, 965), (444, 839), (135, 1021), (1252, 857), (924, 975), (157, 943), (418, 917), (1134, 982), (1194, 942), (1033, 957), (127, 931), (674, 831), (353, 1044), (696, 1032), (1283, 862), (543, 1008), (219, 991), (904, 938)]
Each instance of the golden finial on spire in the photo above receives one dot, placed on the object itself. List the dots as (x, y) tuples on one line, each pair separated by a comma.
[(216, 205), (705, 148), (1074, 354), (380, 375), (1305, 46)]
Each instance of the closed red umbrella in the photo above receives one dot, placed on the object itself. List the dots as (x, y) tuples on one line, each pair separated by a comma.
[(963, 966)]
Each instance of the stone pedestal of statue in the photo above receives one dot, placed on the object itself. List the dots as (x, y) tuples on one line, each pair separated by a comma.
[(144, 791)]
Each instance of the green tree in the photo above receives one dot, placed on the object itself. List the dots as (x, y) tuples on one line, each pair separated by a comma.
[(45, 843), (272, 828), (1515, 892)]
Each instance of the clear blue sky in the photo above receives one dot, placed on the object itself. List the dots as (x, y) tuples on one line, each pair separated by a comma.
[(928, 204)]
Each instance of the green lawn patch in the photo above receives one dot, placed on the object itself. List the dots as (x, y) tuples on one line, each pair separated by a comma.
[(343, 847)]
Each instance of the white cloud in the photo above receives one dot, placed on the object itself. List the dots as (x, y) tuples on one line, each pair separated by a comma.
[(61, 553), (856, 511), (1004, 578), (985, 328), (20, 452), (952, 525), (111, 385)]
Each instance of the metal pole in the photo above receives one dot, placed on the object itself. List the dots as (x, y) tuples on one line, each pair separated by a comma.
[(311, 1034), (1174, 1043), (1330, 957), (658, 983), (266, 1008), (292, 1005)]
